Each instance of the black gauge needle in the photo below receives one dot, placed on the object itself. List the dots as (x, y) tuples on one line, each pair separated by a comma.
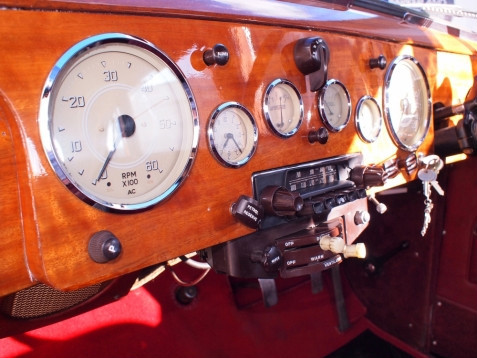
[(236, 144), (328, 106), (231, 136), (281, 114), (127, 128), (404, 108)]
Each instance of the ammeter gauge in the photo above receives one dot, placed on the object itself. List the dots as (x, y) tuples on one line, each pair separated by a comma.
[(283, 108)]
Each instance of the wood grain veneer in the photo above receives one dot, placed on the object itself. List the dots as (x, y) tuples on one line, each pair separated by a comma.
[(47, 229)]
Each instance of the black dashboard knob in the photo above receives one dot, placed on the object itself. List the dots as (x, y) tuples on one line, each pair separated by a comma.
[(218, 55), (280, 201), (104, 247), (378, 62), (248, 211), (368, 176), (321, 136), (270, 258)]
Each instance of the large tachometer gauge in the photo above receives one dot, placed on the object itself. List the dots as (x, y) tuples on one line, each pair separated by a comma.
[(407, 102), (118, 122)]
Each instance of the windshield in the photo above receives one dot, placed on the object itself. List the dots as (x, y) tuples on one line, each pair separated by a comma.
[(461, 14)]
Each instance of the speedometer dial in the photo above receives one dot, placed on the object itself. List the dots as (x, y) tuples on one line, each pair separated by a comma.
[(118, 122), (407, 102)]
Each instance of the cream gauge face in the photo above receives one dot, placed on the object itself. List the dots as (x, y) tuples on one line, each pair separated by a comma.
[(368, 119), (407, 102), (334, 104), (232, 134), (118, 122), (283, 108)]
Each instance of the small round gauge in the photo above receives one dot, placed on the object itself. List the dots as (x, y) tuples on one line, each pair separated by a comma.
[(283, 108), (334, 104), (118, 122), (407, 102), (232, 134), (368, 119)]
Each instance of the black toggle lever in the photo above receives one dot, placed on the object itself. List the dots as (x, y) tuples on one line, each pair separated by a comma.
[(373, 265), (469, 105), (462, 137), (311, 57)]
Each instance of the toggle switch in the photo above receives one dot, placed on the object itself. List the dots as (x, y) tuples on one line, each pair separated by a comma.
[(380, 207), (248, 211)]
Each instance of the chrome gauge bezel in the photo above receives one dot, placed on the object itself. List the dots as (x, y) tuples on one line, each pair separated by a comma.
[(368, 132), (293, 102), (323, 105), (216, 137), (390, 100), (162, 189)]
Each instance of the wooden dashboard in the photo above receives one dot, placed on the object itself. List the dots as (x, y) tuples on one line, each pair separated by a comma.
[(45, 228)]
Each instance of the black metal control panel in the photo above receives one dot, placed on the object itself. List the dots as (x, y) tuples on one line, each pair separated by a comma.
[(306, 217), (312, 178)]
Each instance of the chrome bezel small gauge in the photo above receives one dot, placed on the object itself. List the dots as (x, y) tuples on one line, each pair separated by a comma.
[(246, 145), (420, 89), (292, 104), (345, 108), (368, 132)]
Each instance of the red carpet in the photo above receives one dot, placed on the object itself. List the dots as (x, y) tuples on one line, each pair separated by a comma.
[(149, 322)]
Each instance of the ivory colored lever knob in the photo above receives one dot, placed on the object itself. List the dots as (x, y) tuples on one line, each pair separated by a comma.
[(357, 250), (334, 244)]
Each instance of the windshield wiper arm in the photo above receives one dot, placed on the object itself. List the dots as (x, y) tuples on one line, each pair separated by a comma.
[(413, 16)]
